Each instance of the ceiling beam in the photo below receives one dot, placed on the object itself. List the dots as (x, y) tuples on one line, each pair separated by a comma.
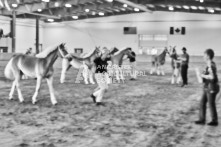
[(129, 3)]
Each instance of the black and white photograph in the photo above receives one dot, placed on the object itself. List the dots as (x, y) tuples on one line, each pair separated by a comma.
[(110, 73)]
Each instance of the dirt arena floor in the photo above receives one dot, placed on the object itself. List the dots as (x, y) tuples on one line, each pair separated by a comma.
[(149, 112)]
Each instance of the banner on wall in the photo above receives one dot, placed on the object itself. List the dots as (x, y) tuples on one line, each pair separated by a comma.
[(177, 30)]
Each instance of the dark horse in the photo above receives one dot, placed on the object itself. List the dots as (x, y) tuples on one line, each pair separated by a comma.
[(158, 61)]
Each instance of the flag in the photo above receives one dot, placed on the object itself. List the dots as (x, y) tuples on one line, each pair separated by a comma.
[(177, 30)]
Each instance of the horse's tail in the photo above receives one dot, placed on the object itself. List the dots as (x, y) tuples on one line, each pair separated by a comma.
[(8, 70)]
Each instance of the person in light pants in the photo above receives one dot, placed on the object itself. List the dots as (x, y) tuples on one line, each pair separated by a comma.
[(103, 86), (101, 77)]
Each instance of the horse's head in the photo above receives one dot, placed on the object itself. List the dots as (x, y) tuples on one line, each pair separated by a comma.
[(97, 51), (62, 50), (113, 50), (128, 52), (172, 51)]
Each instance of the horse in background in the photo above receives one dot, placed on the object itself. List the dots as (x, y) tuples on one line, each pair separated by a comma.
[(71, 60), (158, 61), (39, 66), (176, 66), (116, 63)]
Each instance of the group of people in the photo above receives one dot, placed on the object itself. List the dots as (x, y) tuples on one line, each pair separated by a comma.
[(209, 79)]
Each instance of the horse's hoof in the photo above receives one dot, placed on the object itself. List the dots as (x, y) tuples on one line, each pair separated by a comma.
[(34, 102), (54, 103)]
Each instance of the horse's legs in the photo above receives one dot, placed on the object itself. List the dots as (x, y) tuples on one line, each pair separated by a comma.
[(152, 68), (38, 85), (91, 76), (162, 70), (117, 72), (51, 90), (158, 70), (12, 90), (65, 66), (20, 97), (121, 73), (85, 74), (179, 76), (173, 77)]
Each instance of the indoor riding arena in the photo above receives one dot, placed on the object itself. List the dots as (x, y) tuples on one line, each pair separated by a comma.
[(110, 73)]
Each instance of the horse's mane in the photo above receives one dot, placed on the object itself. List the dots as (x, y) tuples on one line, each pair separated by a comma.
[(47, 51), (86, 55), (119, 51)]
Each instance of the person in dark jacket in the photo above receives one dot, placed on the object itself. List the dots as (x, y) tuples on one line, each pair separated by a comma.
[(184, 66), (101, 76), (210, 89), (133, 66)]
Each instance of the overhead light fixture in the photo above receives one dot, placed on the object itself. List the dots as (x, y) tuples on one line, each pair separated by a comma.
[(75, 17), (39, 10), (93, 13), (101, 13), (163, 6), (201, 8), (68, 5), (178, 7), (171, 8), (116, 10), (211, 10), (136, 9), (201, 1), (87, 10), (193, 7), (150, 6), (109, 1), (50, 20), (186, 7), (56, 4), (15, 5), (125, 5), (218, 9), (46, 1)]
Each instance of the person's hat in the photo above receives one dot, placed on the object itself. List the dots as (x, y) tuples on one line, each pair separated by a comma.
[(184, 49)]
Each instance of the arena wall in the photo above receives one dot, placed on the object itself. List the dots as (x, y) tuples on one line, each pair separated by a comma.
[(202, 31)]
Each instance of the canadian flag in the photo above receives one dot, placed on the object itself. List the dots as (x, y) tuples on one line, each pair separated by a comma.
[(177, 30)]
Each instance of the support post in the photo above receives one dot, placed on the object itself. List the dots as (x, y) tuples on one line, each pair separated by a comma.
[(13, 30), (37, 35)]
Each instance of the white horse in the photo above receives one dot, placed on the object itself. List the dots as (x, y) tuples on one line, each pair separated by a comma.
[(86, 65), (157, 62), (39, 66)]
